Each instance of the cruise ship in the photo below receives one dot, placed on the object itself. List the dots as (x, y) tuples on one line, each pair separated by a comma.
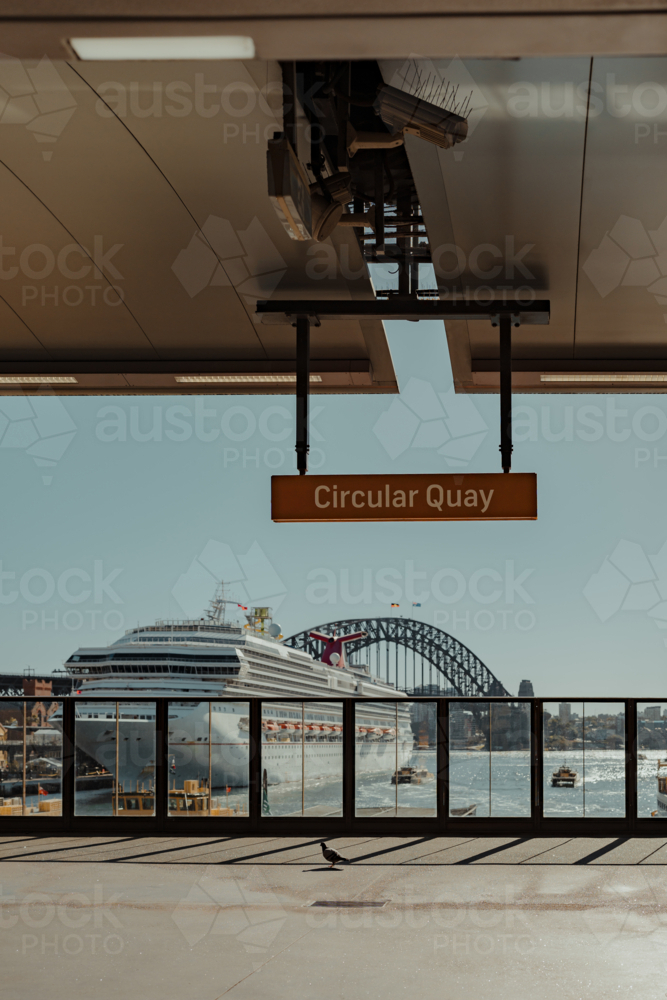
[(221, 657)]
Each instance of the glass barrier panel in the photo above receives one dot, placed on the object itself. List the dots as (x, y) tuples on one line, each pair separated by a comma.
[(115, 753), (188, 758), (509, 759), (94, 757), (135, 785), (31, 756), (604, 759), (302, 759), (652, 759), (563, 745), (376, 758), (230, 758), (584, 759), (489, 758), (14, 799), (282, 762), (469, 759), (44, 758), (322, 758), (392, 774), (416, 785), (208, 750)]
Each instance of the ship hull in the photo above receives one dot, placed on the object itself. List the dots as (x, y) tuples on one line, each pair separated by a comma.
[(189, 758)]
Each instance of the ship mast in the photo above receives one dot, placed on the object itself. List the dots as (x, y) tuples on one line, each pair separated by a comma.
[(216, 613)]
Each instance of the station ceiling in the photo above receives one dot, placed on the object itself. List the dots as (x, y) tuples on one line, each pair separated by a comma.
[(137, 233)]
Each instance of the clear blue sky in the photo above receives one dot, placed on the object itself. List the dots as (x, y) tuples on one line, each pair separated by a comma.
[(150, 500)]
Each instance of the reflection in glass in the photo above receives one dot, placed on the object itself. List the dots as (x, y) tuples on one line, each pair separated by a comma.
[(114, 758), (489, 758), (652, 759), (395, 758), (208, 758), (302, 758), (584, 759), (30, 758)]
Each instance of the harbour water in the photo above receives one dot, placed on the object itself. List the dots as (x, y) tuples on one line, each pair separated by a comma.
[(496, 784)]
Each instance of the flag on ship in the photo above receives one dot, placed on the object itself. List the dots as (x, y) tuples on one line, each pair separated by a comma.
[(395, 605)]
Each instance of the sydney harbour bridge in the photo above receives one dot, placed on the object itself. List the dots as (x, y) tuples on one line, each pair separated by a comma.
[(413, 656)]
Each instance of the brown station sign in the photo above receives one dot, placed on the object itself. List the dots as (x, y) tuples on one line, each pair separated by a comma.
[(483, 496)]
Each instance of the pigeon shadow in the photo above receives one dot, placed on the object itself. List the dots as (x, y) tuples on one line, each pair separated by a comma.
[(327, 869)]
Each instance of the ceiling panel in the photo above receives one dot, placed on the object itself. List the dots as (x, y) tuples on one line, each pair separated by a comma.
[(622, 292), (50, 285), (159, 172), (17, 339)]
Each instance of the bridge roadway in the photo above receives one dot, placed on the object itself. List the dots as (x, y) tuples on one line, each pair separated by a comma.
[(212, 917)]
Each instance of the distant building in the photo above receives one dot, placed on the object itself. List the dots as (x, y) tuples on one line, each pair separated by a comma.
[(34, 687), (564, 712), (526, 689), (457, 724), (652, 712)]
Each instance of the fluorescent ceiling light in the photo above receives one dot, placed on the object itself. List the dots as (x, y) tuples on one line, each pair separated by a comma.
[(36, 379), (243, 378), (165, 47), (608, 377)]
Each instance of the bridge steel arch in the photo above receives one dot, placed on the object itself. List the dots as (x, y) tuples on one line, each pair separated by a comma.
[(464, 671)]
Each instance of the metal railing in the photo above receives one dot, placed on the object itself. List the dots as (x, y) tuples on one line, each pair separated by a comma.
[(461, 740)]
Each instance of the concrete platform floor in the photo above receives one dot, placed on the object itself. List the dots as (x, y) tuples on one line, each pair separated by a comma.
[(201, 918)]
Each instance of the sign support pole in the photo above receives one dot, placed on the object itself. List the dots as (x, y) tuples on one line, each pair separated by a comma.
[(506, 447), (302, 391)]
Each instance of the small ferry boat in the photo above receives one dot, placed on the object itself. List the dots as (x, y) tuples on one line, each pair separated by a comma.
[(564, 777), (411, 776)]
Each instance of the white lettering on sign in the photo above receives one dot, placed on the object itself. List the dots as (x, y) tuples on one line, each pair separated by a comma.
[(326, 496), (435, 497)]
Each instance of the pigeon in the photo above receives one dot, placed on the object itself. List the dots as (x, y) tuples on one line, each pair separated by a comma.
[(330, 855)]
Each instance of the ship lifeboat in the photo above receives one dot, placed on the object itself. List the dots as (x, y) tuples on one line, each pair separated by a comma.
[(287, 725), (272, 727)]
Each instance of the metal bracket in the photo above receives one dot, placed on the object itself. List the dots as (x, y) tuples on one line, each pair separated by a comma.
[(302, 392), (499, 312), (506, 321), (506, 446)]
